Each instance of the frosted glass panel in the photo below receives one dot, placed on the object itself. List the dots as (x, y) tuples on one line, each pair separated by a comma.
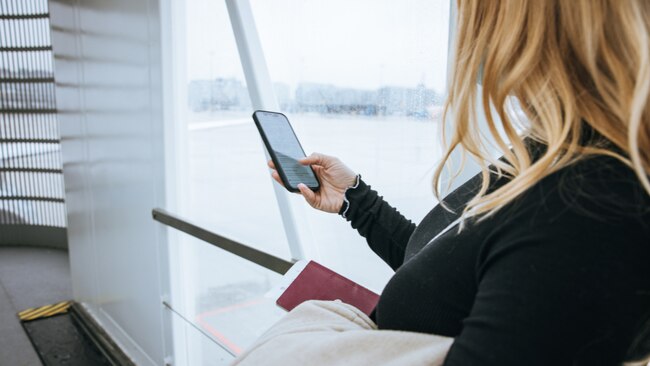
[(226, 298)]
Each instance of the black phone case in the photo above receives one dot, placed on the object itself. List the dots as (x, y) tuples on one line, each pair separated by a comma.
[(278, 167)]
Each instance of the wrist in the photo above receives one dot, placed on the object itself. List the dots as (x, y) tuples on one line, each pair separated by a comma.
[(352, 182), (345, 205)]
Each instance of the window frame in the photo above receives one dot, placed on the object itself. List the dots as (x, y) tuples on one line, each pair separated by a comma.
[(262, 95)]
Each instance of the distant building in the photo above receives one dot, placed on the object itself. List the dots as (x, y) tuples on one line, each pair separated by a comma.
[(231, 94), (407, 101), (217, 95), (325, 98), (283, 94)]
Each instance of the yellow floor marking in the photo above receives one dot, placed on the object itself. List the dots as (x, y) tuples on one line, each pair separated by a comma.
[(44, 311)]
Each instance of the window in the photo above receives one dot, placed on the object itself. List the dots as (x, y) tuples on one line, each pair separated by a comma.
[(229, 188), (361, 80), (223, 186)]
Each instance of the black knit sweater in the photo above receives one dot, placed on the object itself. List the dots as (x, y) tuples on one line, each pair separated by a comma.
[(561, 276)]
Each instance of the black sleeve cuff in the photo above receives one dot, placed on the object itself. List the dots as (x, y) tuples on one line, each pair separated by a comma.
[(353, 195)]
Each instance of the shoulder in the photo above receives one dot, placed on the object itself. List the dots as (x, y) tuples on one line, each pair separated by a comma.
[(599, 191), (600, 186), (594, 211)]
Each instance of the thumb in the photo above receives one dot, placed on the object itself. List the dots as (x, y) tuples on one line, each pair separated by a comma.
[(317, 159), (309, 195), (318, 169)]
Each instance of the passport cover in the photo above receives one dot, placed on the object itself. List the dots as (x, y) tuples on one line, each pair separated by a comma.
[(317, 282)]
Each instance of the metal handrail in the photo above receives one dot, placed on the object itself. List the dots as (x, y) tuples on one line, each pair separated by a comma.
[(256, 256)]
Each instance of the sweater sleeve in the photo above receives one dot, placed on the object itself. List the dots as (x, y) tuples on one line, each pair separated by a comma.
[(386, 230)]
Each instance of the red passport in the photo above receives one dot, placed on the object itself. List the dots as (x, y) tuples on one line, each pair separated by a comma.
[(317, 282)]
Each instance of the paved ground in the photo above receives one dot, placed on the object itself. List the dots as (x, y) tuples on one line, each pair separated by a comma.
[(29, 277)]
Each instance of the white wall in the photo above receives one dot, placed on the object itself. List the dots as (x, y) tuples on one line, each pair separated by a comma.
[(108, 73)]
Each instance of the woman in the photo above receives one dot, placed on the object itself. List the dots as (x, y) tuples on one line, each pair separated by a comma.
[(550, 262)]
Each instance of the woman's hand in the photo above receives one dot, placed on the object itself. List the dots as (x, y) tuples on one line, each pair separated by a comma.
[(334, 176)]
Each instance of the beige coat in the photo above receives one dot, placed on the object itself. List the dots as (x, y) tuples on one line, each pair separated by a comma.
[(334, 333)]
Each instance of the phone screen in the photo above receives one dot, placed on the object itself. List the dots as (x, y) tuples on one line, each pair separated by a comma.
[(286, 149)]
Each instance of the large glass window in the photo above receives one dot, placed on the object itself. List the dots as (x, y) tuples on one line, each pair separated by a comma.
[(362, 80), (217, 299), (228, 188)]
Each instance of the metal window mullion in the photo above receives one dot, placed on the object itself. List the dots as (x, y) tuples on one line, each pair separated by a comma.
[(262, 96), (30, 122)]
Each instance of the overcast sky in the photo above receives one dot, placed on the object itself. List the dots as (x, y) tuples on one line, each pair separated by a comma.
[(352, 43)]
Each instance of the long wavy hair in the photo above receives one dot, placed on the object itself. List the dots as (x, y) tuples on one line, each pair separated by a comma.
[(569, 65)]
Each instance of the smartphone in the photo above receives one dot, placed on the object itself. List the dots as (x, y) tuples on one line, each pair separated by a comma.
[(285, 150)]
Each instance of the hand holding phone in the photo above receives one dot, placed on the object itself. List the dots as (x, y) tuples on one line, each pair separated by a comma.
[(325, 190), (334, 176)]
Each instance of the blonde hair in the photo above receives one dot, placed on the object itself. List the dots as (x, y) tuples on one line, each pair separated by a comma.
[(569, 64)]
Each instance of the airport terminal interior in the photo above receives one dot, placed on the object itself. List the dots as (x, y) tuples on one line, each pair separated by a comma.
[(139, 221), (124, 122)]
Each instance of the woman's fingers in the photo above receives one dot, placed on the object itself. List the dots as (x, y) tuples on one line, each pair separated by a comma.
[(277, 178), (270, 164), (309, 195), (317, 159)]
